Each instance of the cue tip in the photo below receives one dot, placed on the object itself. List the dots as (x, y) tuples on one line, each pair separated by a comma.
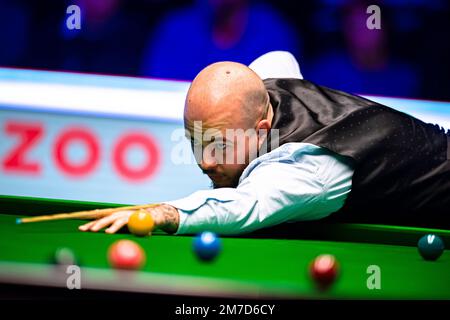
[(18, 221)]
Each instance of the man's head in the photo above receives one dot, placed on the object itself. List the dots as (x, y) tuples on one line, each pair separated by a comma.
[(224, 100)]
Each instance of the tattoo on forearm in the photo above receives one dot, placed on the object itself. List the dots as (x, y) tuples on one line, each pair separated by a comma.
[(168, 218)]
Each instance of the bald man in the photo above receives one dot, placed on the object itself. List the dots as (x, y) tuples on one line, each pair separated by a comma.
[(284, 149)]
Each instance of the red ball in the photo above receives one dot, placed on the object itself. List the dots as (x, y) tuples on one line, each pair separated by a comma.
[(324, 270), (126, 254)]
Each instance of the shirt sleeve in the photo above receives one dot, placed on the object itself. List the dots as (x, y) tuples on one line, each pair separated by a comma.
[(276, 64), (299, 186)]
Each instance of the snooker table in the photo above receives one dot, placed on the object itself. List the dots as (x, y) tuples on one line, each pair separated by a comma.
[(253, 266)]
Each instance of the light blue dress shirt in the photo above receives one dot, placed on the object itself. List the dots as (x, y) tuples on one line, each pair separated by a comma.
[(295, 182)]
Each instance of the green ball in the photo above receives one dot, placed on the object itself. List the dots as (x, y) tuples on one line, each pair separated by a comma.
[(430, 247), (64, 256)]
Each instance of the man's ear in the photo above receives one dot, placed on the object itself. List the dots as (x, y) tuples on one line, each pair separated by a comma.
[(262, 130)]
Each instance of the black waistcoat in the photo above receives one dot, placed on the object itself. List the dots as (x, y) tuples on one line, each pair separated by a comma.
[(401, 164)]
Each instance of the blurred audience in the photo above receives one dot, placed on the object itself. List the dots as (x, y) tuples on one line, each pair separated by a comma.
[(175, 39), (14, 23), (212, 30), (110, 40), (364, 64)]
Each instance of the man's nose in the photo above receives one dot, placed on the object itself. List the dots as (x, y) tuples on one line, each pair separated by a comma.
[(208, 163)]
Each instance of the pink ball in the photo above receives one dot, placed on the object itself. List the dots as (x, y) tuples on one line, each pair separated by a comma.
[(126, 254)]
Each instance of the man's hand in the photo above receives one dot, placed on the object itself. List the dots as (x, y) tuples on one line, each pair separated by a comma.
[(165, 217)]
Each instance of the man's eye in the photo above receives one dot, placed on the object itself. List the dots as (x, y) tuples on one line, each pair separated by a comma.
[(221, 146)]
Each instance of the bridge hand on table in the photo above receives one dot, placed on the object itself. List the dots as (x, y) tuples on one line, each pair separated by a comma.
[(164, 217)]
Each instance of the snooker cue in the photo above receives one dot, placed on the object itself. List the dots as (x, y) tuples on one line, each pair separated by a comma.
[(87, 214)]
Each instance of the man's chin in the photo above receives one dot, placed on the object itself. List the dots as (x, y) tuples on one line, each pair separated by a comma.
[(217, 185)]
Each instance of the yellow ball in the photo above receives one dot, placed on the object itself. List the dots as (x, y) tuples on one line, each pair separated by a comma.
[(141, 223)]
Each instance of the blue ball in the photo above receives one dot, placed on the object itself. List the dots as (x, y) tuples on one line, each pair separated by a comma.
[(430, 246), (207, 246)]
